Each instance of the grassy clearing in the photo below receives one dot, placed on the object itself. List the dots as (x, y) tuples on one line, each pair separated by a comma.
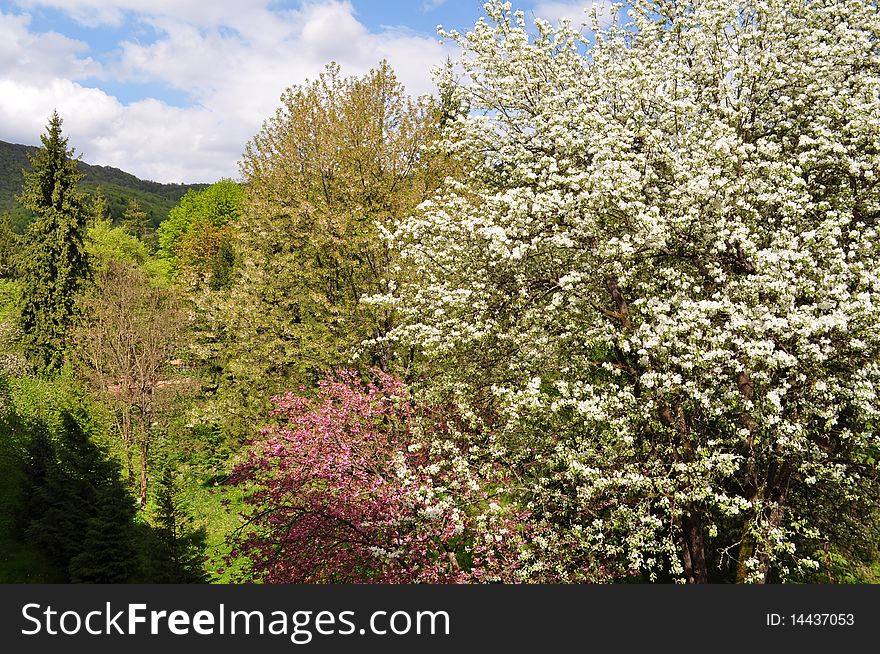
[(206, 501)]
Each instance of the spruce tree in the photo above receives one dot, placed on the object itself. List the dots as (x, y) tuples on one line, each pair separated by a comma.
[(137, 222), (54, 262), (179, 556), (77, 511), (99, 208)]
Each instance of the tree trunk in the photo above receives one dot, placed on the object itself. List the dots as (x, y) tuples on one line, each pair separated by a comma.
[(747, 542), (125, 428), (746, 551), (693, 550), (142, 500), (778, 478), (777, 513)]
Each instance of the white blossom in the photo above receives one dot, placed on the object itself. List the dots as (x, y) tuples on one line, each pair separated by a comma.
[(665, 253)]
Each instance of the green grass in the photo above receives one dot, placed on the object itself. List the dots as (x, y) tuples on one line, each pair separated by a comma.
[(204, 501)]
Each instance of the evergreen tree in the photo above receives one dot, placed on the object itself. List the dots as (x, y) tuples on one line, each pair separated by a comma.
[(137, 222), (54, 262), (78, 512), (178, 558), (10, 243), (99, 208), (107, 554), (52, 507)]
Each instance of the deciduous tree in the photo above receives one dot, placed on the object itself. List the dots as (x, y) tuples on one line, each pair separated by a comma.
[(359, 485), (197, 237), (128, 336), (339, 156), (660, 277)]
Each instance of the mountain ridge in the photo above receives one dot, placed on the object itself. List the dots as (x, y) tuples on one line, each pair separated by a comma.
[(155, 198)]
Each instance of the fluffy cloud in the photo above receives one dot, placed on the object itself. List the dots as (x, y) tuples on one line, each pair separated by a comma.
[(231, 64), (39, 57), (95, 13)]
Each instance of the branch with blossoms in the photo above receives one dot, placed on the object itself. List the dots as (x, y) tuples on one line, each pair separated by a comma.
[(359, 484)]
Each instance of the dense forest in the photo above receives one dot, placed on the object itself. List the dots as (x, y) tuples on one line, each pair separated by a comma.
[(605, 308), (118, 187)]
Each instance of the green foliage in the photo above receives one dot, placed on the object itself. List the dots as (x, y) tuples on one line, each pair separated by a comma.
[(76, 511), (19, 562), (137, 222), (117, 186), (181, 547), (65, 513), (106, 243), (99, 210), (341, 157), (159, 272), (54, 263), (107, 555), (10, 246), (195, 235)]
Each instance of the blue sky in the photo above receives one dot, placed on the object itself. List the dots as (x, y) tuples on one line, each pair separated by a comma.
[(172, 90)]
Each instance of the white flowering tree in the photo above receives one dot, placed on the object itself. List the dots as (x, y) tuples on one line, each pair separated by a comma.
[(660, 280)]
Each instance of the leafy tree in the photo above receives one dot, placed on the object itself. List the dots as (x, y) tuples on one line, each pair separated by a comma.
[(54, 264), (129, 333), (339, 157), (197, 235), (659, 280), (106, 244)]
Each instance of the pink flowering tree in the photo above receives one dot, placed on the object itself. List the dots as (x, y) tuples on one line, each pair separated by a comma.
[(356, 485)]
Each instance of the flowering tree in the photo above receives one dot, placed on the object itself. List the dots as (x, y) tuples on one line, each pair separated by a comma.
[(662, 271), (349, 488)]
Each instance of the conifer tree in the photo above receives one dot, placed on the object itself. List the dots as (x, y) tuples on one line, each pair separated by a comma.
[(181, 549), (54, 261), (99, 208), (137, 222), (106, 553), (77, 511)]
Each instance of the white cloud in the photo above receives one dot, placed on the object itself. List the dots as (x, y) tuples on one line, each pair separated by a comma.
[(38, 57), (113, 12), (148, 138), (232, 64), (576, 11), (431, 5)]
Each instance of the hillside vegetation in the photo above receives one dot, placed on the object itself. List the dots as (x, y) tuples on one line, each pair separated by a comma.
[(120, 187)]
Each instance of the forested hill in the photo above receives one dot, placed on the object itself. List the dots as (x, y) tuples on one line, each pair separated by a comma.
[(155, 198)]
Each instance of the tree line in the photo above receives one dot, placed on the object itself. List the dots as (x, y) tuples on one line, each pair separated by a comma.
[(604, 309)]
